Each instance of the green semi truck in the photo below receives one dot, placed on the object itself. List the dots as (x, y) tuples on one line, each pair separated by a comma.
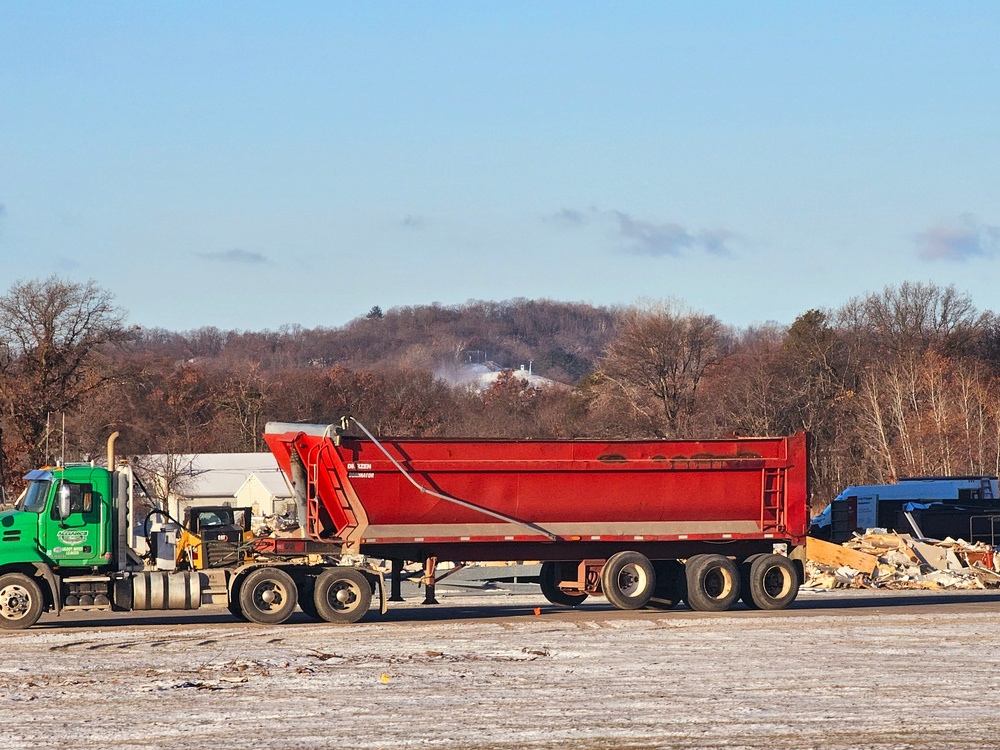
[(641, 523), (66, 546)]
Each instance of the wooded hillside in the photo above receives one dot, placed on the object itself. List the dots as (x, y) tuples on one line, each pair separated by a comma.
[(901, 382)]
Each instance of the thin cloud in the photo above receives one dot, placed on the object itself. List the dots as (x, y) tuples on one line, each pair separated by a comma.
[(647, 238), (669, 239), (246, 257), (641, 237), (569, 216), (714, 240), (959, 242)]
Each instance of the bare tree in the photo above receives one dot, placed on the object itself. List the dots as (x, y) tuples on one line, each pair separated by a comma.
[(51, 333), (916, 316), (244, 399), (167, 477), (663, 351)]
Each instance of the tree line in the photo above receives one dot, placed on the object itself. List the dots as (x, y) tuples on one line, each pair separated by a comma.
[(901, 382)]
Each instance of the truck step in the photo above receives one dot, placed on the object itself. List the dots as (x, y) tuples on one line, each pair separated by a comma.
[(84, 607)]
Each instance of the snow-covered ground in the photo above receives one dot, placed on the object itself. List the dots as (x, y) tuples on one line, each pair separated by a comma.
[(857, 678)]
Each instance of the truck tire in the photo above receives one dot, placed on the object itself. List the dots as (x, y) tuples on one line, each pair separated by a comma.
[(773, 581), (307, 590), (268, 596), (21, 601), (342, 595), (233, 605), (548, 581), (745, 596), (628, 580), (670, 584), (713, 583)]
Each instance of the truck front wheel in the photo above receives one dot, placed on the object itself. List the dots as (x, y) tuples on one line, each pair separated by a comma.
[(628, 580), (713, 583), (342, 595), (20, 601), (268, 596)]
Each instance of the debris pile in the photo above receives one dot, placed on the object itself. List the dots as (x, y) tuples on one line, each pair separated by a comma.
[(884, 560)]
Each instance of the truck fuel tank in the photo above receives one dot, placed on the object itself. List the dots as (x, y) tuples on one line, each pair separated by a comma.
[(164, 590)]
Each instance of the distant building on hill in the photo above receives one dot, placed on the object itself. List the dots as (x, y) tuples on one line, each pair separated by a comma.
[(483, 375)]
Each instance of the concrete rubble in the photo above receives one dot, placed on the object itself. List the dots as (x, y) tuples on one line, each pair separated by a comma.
[(886, 560)]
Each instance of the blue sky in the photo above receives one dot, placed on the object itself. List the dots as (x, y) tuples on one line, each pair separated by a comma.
[(248, 165)]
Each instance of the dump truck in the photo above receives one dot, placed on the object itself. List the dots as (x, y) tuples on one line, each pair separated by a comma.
[(641, 523)]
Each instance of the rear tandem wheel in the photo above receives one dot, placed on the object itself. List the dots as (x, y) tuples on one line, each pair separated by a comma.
[(773, 581), (268, 596), (548, 581), (628, 580), (342, 595), (713, 583)]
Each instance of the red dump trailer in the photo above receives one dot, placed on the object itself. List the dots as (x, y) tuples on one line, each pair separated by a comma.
[(642, 523)]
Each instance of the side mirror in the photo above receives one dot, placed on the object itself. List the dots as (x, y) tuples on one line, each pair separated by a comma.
[(64, 492)]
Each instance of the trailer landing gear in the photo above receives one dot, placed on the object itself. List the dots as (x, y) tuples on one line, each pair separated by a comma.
[(430, 566)]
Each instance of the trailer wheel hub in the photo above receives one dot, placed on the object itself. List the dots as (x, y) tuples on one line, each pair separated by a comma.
[(344, 595), (268, 596)]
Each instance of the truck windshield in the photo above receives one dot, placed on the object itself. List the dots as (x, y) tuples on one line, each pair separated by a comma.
[(35, 496)]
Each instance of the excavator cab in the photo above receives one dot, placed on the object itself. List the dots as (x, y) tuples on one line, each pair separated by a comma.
[(214, 536)]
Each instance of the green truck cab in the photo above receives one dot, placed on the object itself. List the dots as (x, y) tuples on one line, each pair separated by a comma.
[(61, 527)]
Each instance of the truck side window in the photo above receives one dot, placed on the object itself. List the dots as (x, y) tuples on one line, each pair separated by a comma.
[(81, 499)]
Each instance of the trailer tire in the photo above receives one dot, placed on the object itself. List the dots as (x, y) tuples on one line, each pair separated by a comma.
[(268, 596), (670, 584), (21, 601), (548, 581), (342, 595), (713, 583), (745, 596), (628, 580), (773, 581)]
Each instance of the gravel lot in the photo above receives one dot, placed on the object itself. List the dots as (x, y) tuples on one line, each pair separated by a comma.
[(856, 677)]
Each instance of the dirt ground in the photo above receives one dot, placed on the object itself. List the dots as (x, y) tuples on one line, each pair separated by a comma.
[(858, 677)]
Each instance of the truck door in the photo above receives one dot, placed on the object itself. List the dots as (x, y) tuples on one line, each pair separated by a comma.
[(80, 539)]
